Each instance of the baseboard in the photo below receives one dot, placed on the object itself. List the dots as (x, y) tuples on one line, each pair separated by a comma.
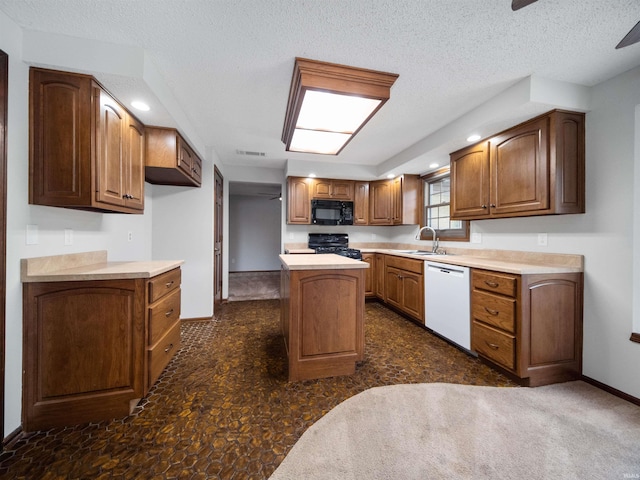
[(612, 391), (10, 439)]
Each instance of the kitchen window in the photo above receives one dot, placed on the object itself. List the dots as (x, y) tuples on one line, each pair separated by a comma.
[(436, 208)]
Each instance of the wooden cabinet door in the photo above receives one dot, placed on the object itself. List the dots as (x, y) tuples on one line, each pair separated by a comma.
[(320, 188), (61, 139), (393, 287), (413, 294), (361, 204), (369, 275), (470, 182), (380, 202), (519, 164), (396, 200), (185, 157), (110, 125), (379, 275), (298, 200), (134, 164), (342, 190)]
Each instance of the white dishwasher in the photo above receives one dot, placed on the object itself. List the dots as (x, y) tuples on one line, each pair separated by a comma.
[(446, 302)]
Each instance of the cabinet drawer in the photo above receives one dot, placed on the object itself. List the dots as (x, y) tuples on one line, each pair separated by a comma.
[(162, 352), (504, 284), (163, 284), (495, 345), (163, 315), (407, 264), (497, 311)]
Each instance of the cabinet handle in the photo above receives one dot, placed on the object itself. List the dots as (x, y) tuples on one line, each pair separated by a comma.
[(169, 348), (492, 284), (126, 195), (168, 284), (169, 313), (492, 345), (493, 205), (483, 206), (492, 312)]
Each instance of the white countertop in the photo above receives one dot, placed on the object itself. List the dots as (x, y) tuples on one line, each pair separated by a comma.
[(311, 261), (89, 266)]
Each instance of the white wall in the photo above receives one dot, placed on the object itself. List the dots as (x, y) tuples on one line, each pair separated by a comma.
[(254, 233)]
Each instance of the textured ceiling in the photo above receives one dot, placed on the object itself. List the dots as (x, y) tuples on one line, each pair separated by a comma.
[(228, 64)]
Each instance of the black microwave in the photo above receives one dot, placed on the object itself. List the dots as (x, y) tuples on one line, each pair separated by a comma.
[(331, 212)]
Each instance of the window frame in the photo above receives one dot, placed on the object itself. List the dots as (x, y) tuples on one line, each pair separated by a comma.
[(452, 234)]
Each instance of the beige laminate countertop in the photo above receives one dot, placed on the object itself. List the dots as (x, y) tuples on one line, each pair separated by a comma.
[(89, 266), (507, 261), (311, 261)]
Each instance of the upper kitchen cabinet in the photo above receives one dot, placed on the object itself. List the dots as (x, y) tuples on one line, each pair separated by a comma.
[(536, 168), (361, 203), (86, 151), (396, 201), (299, 200), (332, 189), (170, 159)]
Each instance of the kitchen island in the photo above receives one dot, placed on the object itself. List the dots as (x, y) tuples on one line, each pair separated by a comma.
[(322, 314)]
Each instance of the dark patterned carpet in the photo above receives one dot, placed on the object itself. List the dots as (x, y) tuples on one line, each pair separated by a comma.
[(223, 407)]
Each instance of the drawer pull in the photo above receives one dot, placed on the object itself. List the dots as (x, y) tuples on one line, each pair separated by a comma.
[(492, 284), (169, 348), (169, 313), (492, 312), (169, 284), (492, 345)]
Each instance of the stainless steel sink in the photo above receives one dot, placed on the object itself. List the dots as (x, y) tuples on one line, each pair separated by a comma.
[(417, 252)]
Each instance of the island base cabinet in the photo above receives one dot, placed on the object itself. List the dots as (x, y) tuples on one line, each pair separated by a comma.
[(323, 321)]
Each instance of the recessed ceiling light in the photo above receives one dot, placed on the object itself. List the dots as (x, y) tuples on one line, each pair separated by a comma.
[(391, 175), (312, 175), (138, 105), (434, 165), (473, 138)]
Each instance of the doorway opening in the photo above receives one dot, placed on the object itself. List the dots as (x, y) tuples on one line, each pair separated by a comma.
[(255, 218)]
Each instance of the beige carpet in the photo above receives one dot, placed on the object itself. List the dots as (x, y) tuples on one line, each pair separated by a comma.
[(433, 431)]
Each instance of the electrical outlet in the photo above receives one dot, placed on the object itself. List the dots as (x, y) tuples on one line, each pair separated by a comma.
[(32, 235), (476, 237), (68, 236), (542, 239), (130, 237)]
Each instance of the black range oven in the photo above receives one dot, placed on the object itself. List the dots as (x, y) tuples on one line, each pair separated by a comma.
[(337, 243)]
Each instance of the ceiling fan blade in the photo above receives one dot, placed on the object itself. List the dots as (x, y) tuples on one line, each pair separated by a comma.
[(632, 37), (518, 4)]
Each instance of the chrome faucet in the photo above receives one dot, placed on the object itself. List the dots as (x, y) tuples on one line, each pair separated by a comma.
[(435, 239)]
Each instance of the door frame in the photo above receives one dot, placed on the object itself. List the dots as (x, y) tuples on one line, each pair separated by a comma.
[(218, 235), (4, 100)]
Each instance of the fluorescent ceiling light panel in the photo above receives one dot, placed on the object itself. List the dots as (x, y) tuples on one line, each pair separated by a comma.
[(329, 104)]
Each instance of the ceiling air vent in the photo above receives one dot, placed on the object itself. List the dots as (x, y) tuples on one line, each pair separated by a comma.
[(250, 153)]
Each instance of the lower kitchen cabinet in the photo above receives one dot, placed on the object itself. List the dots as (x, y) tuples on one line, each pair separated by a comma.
[(528, 325), (93, 348), (404, 285), (370, 275)]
